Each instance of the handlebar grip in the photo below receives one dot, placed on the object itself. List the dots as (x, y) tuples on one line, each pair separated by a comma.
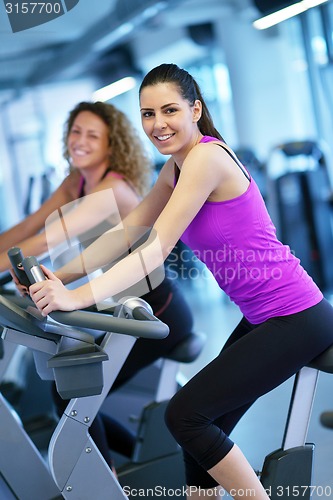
[(33, 270), (153, 328), (16, 258), (142, 314)]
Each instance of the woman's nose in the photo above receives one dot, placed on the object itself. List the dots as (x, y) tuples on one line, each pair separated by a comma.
[(160, 123), (81, 139)]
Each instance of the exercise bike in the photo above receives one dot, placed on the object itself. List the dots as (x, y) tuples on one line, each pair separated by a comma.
[(287, 472), (84, 372)]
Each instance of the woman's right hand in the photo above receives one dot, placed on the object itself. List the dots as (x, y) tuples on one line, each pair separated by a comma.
[(51, 294), (22, 289)]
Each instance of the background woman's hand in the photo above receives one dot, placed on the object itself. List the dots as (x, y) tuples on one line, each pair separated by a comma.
[(51, 294), (22, 289)]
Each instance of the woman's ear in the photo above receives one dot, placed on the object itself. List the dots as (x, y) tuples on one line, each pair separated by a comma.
[(197, 110)]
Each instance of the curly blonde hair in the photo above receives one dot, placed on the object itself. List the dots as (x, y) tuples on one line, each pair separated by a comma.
[(129, 157)]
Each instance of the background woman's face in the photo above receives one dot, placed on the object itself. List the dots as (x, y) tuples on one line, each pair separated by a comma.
[(88, 141)]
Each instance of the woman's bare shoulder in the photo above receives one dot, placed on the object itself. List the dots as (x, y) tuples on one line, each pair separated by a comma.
[(71, 184), (167, 173)]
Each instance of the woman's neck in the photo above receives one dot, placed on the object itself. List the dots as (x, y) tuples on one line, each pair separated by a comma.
[(180, 156), (92, 177)]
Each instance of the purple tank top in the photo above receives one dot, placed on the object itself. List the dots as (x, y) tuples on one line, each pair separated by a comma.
[(237, 241)]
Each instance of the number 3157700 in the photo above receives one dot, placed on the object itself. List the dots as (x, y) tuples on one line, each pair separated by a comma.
[(33, 8)]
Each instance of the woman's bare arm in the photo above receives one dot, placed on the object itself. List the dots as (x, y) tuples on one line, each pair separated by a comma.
[(172, 211), (33, 224), (111, 200), (117, 241)]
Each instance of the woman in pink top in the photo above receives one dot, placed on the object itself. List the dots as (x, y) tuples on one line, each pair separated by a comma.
[(109, 173), (98, 139), (206, 197)]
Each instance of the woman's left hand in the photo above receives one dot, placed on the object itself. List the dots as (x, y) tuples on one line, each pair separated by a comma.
[(51, 294), (22, 289)]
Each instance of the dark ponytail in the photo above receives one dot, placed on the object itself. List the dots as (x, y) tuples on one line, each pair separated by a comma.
[(189, 89)]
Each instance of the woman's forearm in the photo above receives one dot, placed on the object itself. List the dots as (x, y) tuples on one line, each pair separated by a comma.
[(36, 245), (11, 237), (129, 271), (4, 262), (103, 252)]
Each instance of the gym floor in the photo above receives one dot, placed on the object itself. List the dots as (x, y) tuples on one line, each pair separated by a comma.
[(261, 429)]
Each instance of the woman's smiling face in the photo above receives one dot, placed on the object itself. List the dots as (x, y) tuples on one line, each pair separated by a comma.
[(168, 119), (88, 141)]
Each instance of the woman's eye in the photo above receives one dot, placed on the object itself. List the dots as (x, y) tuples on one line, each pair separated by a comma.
[(147, 114), (170, 110)]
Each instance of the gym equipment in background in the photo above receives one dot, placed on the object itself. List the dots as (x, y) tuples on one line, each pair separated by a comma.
[(298, 200), (288, 470), (256, 168)]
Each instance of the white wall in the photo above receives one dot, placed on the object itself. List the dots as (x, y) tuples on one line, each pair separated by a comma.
[(269, 86)]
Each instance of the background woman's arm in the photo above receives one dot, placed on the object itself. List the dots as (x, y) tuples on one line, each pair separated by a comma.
[(33, 224), (117, 241)]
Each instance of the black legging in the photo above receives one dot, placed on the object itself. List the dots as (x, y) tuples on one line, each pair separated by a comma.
[(175, 313), (254, 360), (172, 309)]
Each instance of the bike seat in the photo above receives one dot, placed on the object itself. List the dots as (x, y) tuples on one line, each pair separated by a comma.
[(323, 362), (188, 349)]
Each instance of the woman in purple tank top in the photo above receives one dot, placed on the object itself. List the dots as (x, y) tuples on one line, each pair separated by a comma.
[(205, 197), (110, 171)]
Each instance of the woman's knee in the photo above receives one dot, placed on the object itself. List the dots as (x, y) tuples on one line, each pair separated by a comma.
[(180, 417), (172, 415), (183, 419)]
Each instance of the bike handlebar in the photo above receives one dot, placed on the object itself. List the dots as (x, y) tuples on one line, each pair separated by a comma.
[(138, 319)]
